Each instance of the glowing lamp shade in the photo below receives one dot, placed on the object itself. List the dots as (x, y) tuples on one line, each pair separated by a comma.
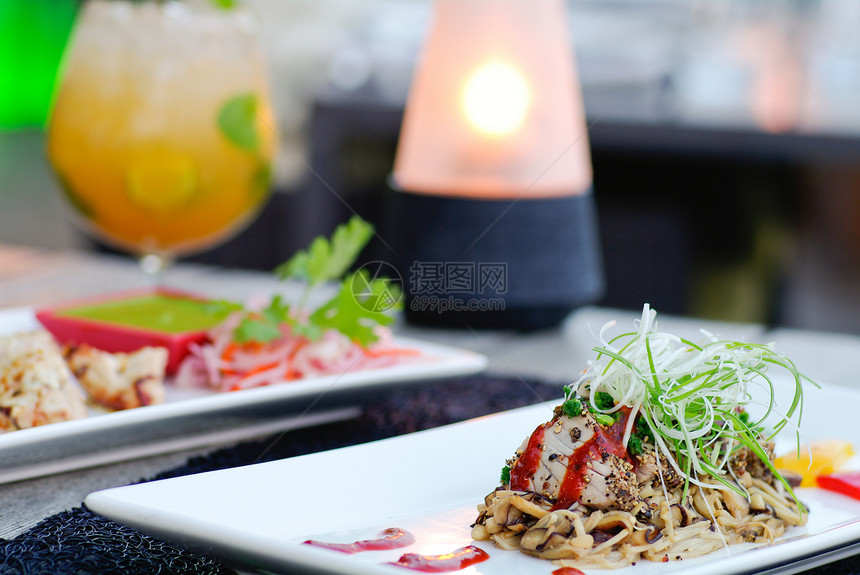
[(495, 109), (493, 206), (496, 99)]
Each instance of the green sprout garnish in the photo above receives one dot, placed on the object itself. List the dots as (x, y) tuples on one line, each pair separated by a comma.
[(604, 419), (691, 399)]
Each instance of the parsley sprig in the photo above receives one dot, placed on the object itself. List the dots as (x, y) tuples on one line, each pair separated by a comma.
[(326, 260)]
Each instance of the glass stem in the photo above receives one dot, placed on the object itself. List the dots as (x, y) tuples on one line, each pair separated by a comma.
[(154, 266)]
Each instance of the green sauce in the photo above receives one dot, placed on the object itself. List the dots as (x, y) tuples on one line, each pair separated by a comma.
[(160, 312)]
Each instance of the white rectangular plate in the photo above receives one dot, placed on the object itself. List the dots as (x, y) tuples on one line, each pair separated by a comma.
[(188, 417), (430, 483)]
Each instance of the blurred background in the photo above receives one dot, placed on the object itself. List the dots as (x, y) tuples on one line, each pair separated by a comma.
[(725, 138)]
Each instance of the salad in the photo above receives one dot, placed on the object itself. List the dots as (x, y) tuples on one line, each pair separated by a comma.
[(283, 340)]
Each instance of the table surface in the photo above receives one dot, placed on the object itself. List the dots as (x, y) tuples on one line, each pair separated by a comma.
[(30, 276)]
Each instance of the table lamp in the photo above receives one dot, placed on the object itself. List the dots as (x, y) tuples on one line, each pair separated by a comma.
[(493, 204)]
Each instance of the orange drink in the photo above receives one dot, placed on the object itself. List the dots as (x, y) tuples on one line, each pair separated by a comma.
[(162, 133)]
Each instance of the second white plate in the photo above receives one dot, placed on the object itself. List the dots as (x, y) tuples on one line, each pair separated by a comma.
[(194, 417), (430, 483)]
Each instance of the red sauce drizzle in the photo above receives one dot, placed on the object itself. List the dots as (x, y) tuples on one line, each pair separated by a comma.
[(604, 440), (567, 571), (527, 463), (392, 538), (459, 559)]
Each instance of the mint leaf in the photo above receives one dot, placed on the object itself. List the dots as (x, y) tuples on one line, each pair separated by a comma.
[(327, 260), (238, 121), (225, 4)]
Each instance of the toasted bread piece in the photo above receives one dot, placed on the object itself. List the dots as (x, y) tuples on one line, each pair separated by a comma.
[(119, 380), (36, 387), (24, 343)]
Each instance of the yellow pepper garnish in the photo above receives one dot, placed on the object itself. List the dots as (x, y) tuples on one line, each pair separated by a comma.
[(828, 456)]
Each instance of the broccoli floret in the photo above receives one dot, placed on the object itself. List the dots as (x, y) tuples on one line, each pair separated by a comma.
[(634, 445), (603, 400), (641, 430), (572, 407)]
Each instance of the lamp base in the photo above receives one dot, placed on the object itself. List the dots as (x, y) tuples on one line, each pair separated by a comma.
[(496, 264)]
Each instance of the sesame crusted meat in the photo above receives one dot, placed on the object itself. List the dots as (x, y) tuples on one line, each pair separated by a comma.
[(561, 439), (609, 481), (648, 471), (611, 484)]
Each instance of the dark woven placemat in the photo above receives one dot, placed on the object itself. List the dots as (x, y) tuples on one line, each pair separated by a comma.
[(82, 543)]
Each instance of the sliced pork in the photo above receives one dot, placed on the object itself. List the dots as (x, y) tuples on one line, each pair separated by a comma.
[(574, 460)]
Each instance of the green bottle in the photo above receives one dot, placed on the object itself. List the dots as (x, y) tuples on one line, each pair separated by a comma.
[(33, 34)]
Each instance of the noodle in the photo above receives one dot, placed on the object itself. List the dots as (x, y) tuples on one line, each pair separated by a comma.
[(652, 455), (665, 528)]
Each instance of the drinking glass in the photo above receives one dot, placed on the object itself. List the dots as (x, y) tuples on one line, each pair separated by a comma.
[(162, 132)]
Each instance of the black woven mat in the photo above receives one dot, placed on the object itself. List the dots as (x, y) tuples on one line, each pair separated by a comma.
[(80, 542)]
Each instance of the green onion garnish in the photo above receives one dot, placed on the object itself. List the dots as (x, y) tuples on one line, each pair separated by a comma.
[(691, 398)]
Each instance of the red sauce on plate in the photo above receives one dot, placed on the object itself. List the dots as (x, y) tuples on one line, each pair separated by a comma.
[(567, 571), (392, 538), (459, 559)]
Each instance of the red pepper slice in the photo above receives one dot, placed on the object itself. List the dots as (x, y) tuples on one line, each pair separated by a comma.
[(845, 483)]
